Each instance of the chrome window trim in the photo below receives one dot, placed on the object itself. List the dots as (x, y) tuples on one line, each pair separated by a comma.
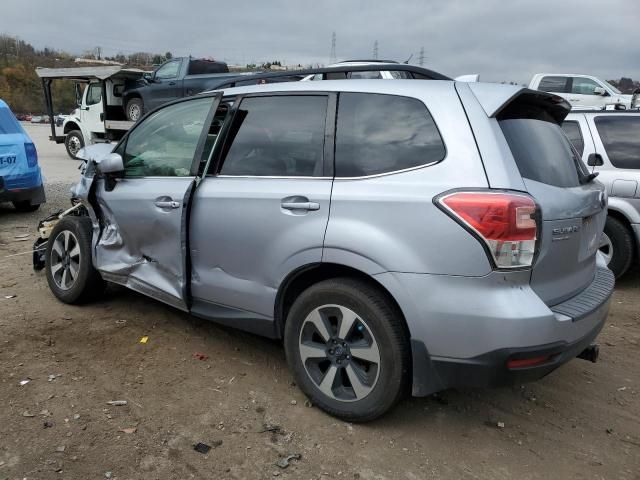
[(364, 177)]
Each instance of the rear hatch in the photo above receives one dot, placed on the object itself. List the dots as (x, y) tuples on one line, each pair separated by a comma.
[(572, 205)]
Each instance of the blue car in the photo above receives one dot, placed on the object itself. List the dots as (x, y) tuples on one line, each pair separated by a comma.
[(20, 176)]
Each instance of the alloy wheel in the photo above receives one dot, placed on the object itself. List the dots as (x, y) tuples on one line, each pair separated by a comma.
[(340, 353), (606, 247), (65, 259)]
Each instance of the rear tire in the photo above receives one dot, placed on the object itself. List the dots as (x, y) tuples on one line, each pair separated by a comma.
[(135, 109), (621, 246), (70, 272), (358, 372), (25, 206), (74, 142)]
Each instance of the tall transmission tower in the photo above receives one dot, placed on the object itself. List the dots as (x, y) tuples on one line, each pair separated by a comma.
[(333, 58), (421, 57), (375, 50)]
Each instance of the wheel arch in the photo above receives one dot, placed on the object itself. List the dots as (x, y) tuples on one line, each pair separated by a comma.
[(622, 217), (306, 276), (70, 126)]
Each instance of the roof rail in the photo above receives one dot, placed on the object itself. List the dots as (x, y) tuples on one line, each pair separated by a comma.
[(294, 75), (368, 60)]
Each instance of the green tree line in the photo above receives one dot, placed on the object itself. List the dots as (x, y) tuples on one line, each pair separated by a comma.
[(21, 88)]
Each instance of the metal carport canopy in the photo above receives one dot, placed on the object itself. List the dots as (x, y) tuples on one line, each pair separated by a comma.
[(88, 73)]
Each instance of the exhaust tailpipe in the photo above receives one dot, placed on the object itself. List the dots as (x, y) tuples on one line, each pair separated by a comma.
[(590, 353)]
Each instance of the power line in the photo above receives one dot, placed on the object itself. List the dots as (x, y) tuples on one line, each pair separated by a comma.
[(333, 57)]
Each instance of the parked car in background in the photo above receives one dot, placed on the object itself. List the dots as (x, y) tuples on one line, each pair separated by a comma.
[(20, 177), (584, 91), (460, 249), (609, 144), (36, 119), (176, 78)]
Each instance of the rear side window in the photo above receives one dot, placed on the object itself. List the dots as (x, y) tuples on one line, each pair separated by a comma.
[(554, 84), (8, 123), (572, 130), (541, 149), (277, 136), (384, 133), (621, 139)]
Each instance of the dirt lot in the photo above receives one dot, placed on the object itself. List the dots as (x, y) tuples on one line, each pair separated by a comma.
[(582, 421)]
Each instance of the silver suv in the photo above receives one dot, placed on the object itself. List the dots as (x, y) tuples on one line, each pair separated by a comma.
[(398, 236), (609, 143)]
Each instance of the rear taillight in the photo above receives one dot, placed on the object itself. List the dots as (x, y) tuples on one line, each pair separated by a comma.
[(505, 222), (32, 155)]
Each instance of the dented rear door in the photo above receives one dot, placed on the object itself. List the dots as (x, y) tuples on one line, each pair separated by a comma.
[(143, 216)]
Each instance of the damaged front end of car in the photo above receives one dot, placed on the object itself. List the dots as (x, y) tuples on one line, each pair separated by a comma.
[(81, 204)]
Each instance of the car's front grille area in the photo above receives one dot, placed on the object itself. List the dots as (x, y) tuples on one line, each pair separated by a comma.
[(590, 298)]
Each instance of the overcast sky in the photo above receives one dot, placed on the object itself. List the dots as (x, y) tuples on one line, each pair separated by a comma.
[(499, 39)]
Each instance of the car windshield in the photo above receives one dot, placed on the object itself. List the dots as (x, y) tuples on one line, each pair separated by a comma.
[(8, 123), (614, 89)]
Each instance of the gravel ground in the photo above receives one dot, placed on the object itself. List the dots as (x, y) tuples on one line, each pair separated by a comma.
[(582, 421)]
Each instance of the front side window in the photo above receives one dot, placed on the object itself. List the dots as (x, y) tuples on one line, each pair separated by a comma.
[(584, 86), (621, 139), (164, 144), (553, 84), (168, 70), (384, 133), (277, 136), (572, 131), (94, 95)]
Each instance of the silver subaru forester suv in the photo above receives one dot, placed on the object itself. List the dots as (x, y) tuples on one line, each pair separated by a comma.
[(404, 236)]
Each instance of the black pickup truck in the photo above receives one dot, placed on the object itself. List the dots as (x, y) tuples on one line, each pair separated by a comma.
[(176, 78)]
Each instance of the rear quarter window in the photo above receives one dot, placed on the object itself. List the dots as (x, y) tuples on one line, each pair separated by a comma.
[(378, 134), (620, 136)]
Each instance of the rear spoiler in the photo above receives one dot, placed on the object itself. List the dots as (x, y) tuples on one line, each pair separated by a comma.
[(475, 77), (509, 101)]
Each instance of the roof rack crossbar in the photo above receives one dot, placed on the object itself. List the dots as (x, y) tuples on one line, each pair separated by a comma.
[(248, 79)]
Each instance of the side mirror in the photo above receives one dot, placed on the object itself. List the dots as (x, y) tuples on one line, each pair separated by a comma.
[(112, 163), (595, 160), (600, 91)]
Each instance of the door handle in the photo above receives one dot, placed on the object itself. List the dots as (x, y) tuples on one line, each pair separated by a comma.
[(167, 204), (172, 83), (300, 205)]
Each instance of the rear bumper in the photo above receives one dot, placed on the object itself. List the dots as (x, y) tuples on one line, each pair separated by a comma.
[(34, 194), (490, 369), (464, 329)]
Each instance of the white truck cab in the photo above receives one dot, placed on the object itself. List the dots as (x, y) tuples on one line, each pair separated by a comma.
[(582, 91), (99, 116)]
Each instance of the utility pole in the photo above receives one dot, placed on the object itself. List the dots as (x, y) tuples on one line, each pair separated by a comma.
[(98, 53), (375, 50), (333, 58), (421, 57)]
